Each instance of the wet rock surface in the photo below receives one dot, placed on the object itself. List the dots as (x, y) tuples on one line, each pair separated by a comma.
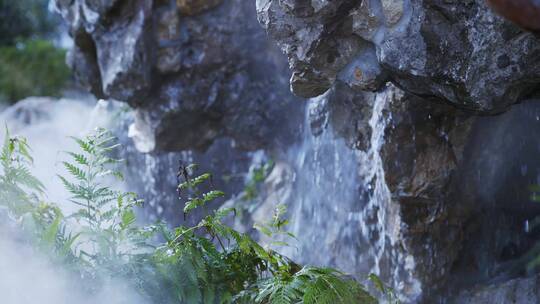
[(523, 291), (456, 51), (500, 239), (434, 200)]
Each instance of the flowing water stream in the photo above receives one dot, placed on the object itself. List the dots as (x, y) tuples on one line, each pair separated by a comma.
[(342, 207)]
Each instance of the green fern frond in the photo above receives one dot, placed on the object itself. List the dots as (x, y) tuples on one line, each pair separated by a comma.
[(79, 158), (85, 146), (75, 171)]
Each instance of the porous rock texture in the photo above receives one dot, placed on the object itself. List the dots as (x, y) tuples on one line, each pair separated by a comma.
[(201, 66), (396, 167), (456, 51)]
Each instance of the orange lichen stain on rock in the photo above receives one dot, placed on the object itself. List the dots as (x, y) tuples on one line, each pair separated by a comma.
[(195, 7), (358, 73), (525, 13)]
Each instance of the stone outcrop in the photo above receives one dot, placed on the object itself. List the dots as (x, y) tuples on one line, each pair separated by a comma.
[(456, 51), (195, 70)]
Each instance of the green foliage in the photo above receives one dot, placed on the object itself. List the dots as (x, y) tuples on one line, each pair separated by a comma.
[(387, 292), (19, 190), (22, 19), (107, 216), (208, 263), (248, 200), (21, 195), (257, 176), (313, 285), (275, 227), (270, 277), (29, 64), (191, 185), (32, 68)]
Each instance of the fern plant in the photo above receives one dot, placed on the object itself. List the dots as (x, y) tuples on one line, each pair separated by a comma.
[(208, 263), (21, 196), (275, 279), (248, 201), (312, 285), (19, 189), (109, 236)]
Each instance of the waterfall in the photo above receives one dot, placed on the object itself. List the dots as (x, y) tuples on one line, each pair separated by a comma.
[(324, 193), (342, 209), (373, 217), (380, 218)]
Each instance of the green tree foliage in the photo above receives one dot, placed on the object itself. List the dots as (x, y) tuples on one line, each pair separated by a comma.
[(30, 65), (208, 263), (24, 19), (32, 68)]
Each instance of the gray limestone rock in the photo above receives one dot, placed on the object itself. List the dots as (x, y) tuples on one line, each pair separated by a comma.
[(195, 70), (457, 51)]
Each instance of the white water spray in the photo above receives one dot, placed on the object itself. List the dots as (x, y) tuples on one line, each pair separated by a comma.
[(27, 275), (342, 208)]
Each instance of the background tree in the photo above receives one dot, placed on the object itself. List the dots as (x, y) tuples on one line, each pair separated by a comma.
[(24, 19), (30, 63)]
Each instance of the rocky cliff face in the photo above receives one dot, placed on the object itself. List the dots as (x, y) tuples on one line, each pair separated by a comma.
[(392, 167), (203, 67), (455, 51)]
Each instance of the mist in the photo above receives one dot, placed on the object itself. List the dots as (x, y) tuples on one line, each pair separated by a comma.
[(27, 275)]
